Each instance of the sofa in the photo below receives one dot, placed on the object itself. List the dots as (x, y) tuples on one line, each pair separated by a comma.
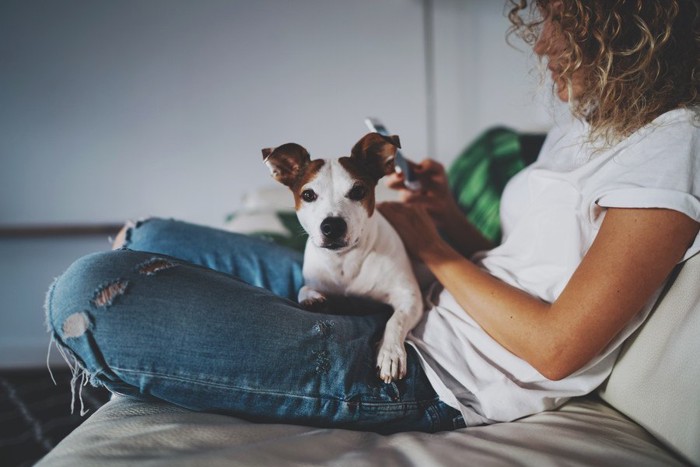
[(646, 413)]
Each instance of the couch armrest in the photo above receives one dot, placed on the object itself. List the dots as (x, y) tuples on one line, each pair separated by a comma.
[(656, 380)]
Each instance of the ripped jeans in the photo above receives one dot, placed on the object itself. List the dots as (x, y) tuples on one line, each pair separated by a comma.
[(208, 320)]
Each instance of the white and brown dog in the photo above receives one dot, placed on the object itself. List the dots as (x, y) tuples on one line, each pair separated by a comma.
[(352, 249)]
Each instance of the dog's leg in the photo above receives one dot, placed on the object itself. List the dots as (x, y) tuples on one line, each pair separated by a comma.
[(391, 358), (311, 299)]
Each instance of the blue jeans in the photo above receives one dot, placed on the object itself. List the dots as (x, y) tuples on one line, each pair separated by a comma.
[(208, 320)]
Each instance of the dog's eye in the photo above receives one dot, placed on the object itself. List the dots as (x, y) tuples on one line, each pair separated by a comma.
[(357, 193), (308, 195)]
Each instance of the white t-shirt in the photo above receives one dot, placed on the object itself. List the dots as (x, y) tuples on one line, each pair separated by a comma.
[(551, 212)]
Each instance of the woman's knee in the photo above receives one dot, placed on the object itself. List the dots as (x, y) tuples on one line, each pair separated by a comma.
[(167, 236), (122, 237), (92, 282), (147, 228)]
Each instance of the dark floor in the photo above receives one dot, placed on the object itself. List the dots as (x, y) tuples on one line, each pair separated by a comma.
[(35, 414)]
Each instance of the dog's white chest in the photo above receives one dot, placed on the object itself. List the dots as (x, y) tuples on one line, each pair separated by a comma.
[(334, 274), (373, 268)]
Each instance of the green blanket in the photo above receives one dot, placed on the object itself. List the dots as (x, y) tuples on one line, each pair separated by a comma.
[(478, 175)]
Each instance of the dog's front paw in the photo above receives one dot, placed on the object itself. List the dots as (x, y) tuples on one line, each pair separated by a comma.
[(312, 300), (317, 306), (391, 361)]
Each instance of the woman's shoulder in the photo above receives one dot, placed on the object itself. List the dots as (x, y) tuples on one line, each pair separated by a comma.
[(673, 135), (655, 167), (682, 116), (681, 123)]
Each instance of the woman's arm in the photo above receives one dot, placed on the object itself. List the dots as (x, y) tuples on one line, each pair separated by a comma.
[(633, 253), (436, 198)]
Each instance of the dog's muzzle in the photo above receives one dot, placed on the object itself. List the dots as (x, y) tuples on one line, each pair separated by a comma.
[(333, 230)]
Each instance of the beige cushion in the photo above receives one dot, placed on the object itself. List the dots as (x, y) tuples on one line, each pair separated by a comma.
[(656, 381), (126, 432)]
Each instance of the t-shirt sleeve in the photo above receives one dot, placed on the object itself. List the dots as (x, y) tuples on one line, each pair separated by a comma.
[(642, 197), (661, 170)]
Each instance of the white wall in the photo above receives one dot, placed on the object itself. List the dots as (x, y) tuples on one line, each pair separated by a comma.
[(117, 109), (122, 109), (481, 80)]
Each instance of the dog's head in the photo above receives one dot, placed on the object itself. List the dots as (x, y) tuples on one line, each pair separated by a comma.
[(334, 197)]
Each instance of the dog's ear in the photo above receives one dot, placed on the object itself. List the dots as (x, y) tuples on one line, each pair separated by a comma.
[(375, 153), (286, 162)]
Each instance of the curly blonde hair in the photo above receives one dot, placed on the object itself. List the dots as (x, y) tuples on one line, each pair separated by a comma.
[(638, 58)]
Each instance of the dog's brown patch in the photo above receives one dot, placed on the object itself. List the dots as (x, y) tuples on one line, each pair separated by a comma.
[(359, 172), (376, 153), (309, 172), (286, 162)]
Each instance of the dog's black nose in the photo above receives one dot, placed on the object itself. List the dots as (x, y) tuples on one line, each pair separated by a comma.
[(333, 228)]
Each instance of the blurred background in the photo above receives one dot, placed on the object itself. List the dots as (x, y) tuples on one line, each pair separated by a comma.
[(114, 110)]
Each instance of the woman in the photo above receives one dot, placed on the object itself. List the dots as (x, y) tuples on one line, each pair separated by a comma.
[(591, 232), (589, 261)]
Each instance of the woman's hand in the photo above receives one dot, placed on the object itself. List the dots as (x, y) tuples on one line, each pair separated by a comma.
[(414, 225), (435, 195), (435, 199)]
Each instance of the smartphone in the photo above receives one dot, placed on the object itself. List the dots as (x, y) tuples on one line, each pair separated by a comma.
[(400, 162)]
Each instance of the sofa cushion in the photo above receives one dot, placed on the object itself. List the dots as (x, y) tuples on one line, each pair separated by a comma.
[(130, 432), (656, 380), (268, 213)]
